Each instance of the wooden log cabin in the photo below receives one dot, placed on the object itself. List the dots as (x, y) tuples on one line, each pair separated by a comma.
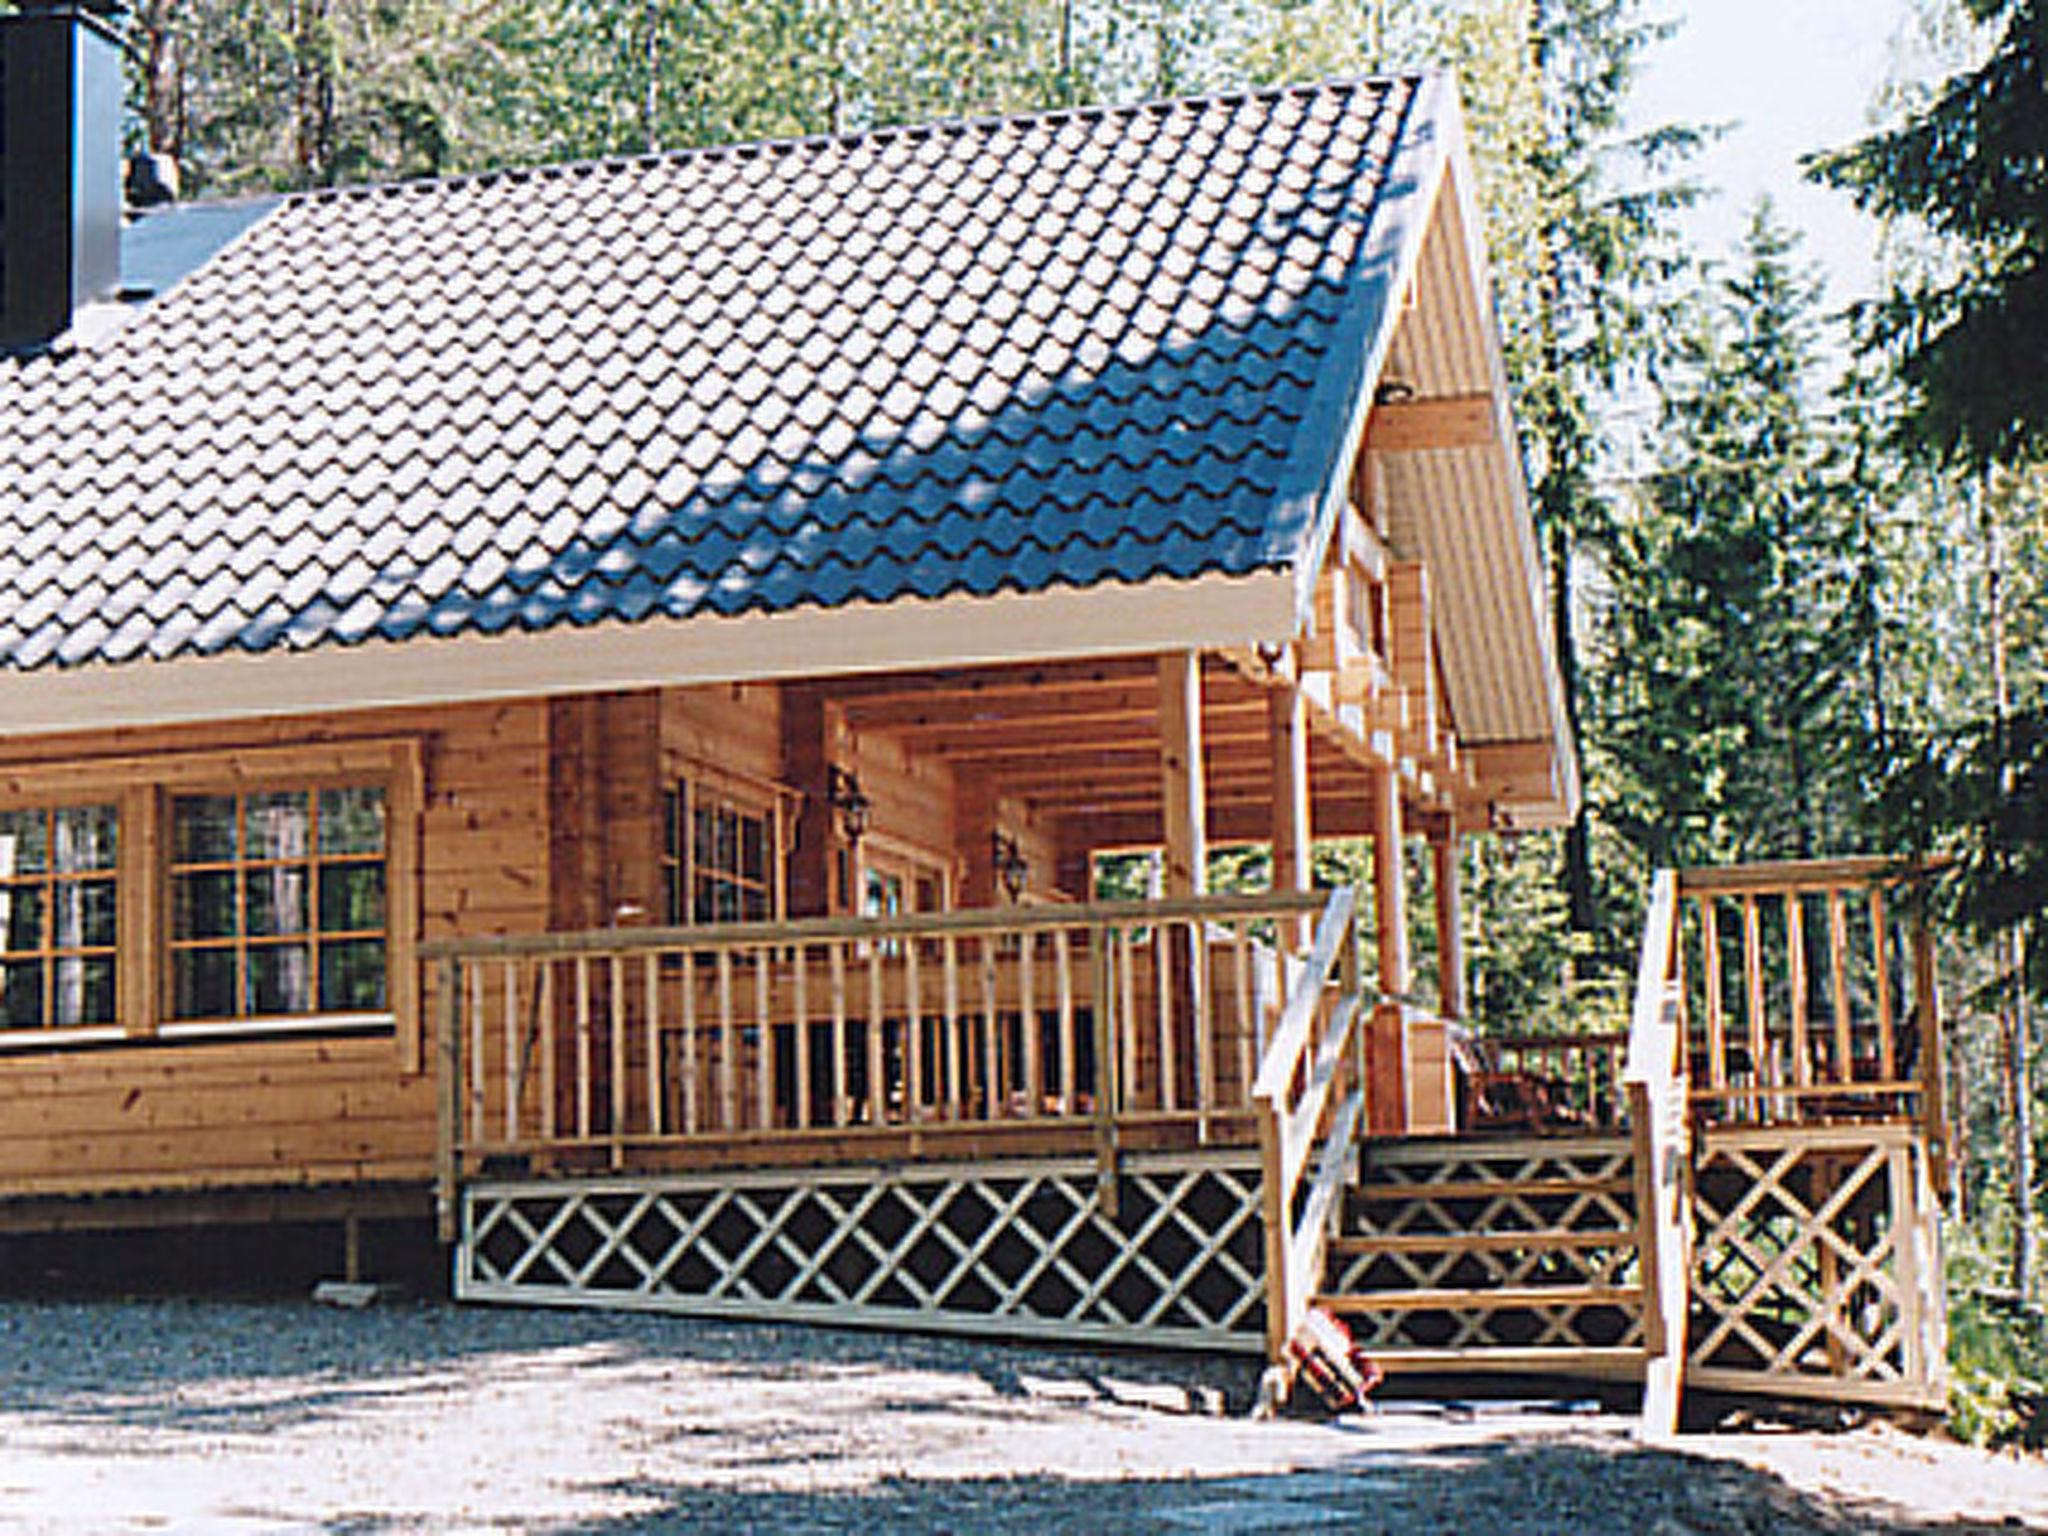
[(593, 701)]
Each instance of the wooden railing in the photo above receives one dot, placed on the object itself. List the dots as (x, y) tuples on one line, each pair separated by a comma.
[(1309, 1095), (1654, 1077), (1542, 1081), (591, 1048), (1810, 999)]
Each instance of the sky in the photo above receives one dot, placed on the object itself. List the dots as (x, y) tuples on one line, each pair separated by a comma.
[(1792, 76)]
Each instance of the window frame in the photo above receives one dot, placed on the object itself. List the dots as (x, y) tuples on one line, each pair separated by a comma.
[(141, 787), (770, 802)]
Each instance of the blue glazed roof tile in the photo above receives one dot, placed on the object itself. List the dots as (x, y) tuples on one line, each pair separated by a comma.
[(989, 356)]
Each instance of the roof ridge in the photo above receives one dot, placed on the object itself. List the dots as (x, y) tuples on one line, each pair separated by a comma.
[(749, 148)]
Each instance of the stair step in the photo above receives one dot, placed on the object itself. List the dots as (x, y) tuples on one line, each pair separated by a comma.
[(1486, 1189), (1482, 1242), (1503, 1298), (1607, 1362)]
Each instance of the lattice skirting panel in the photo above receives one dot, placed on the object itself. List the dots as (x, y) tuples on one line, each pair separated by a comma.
[(1009, 1249), (1817, 1266)]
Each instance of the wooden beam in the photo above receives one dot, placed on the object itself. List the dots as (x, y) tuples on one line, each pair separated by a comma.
[(1185, 817), (1447, 421)]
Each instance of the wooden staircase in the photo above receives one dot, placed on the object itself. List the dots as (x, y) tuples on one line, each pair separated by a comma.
[(1467, 1254)]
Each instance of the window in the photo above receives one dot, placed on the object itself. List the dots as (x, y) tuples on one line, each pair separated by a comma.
[(722, 855), (59, 905), (278, 903)]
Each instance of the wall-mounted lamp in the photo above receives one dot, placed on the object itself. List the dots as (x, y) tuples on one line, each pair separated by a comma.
[(1392, 391), (844, 791), (1013, 870)]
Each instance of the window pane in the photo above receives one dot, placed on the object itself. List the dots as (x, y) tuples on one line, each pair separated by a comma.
[(703, 838), (85, 991), (21, 994), (275, 901), (754, 849), (280, 826), (671, 830), (86, 914), (23, 839), (351, 821), (755, 906), (352, 975), (351, 897), (203, 905), (203, 983), (280, 979), (85, 837), (672, 893), (21, 918), (203, 829)]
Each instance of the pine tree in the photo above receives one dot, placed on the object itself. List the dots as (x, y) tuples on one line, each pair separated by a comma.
[(1729, 669)]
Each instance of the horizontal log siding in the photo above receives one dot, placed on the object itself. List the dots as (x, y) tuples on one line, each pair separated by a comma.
[(290, 1109)]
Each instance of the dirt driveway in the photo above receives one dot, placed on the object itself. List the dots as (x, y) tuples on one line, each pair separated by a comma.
[(280, 1417)]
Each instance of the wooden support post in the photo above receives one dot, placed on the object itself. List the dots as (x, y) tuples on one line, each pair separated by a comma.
[(1389, 886), (974, 830), (1387, 1058), (1450, 924), (1180, 766), (1933, 1050), (814, 851), (1287, 730), (1186, 841)]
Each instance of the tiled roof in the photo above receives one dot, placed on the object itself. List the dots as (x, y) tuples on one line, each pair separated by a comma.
[(1087, 347)]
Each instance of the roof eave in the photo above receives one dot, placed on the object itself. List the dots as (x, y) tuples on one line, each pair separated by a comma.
[(856, 637)]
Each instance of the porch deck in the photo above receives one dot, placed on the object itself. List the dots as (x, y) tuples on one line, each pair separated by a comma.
[(1142, 1122)]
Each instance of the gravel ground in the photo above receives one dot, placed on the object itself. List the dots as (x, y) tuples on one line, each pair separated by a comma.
[(282, 1417)]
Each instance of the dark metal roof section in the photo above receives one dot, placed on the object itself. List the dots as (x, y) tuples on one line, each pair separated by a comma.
[(1087, 347)]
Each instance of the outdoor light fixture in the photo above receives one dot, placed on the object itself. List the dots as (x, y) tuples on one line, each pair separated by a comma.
[(1013, 870), (844, 791)]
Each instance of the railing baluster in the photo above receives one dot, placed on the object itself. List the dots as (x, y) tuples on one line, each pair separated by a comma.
[(657, 1077), (1880, 959), (842, 1096), (1710, 986), (1838, 962), (1245, 1027), (1027, 1027), (878, 1089), (1124, 973), (913, 1037), (1166, 981), (1203, 1003), (515, 1063), (1753, 999), (1795, 955), (801, 958), (993, 1087), (956, 1096), (1063, 962), (619, 1095), (584, 1086), (692, 1044), (728, 1046), (544, 995), (478, 1084), (764, 1050)]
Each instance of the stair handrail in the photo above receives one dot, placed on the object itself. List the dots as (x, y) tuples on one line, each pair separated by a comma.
[(1654, 1076), (1318, 1041)]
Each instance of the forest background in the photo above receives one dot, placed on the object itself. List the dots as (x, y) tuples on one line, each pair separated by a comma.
[(1797, 559)]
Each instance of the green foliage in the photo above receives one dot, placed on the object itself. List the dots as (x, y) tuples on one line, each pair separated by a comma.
[(1734, 638), (1997, 1351), (1972, 165)]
